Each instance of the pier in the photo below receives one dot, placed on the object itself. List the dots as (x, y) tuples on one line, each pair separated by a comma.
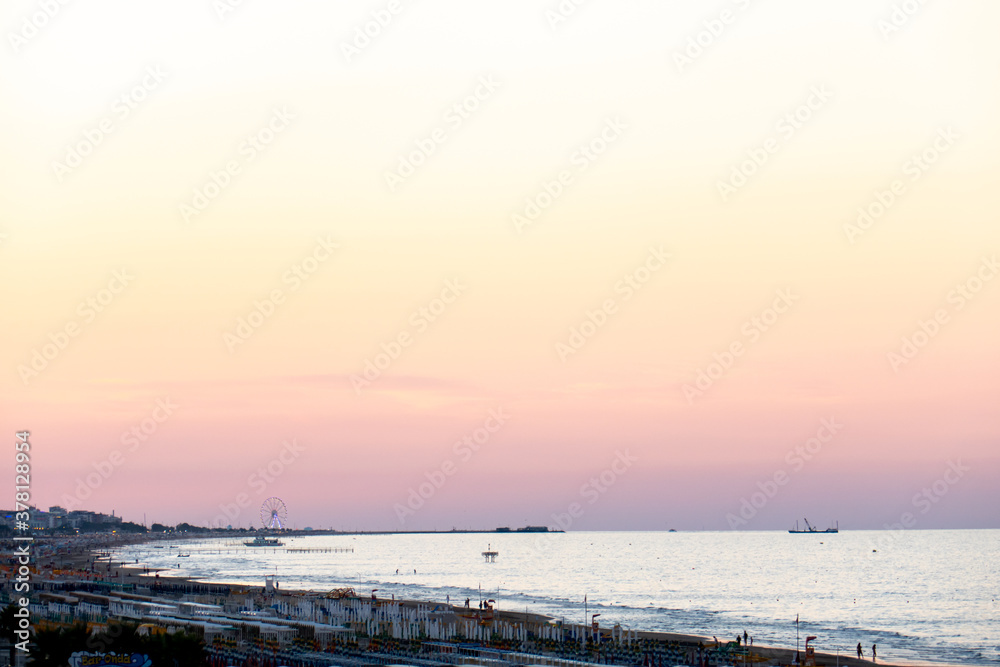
[(243, 550)]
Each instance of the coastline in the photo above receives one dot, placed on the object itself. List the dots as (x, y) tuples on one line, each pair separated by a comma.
[(92, 560), (783, 655), (760, 653)]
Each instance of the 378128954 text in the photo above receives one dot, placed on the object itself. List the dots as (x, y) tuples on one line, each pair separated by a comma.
[(22, 539)]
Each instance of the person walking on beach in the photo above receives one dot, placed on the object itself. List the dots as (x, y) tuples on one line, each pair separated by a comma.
[(873, 653), (861, 654), (746, 638)]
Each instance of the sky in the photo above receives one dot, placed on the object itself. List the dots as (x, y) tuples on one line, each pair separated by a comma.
[(443, 264)]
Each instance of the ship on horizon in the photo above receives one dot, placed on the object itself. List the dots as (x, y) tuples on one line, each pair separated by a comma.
[(811, 529)]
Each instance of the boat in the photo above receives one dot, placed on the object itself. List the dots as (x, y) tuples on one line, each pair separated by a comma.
[(261, 541), (811, 529)]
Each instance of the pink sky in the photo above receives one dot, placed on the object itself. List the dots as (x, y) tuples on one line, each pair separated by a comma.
[(573, 252)]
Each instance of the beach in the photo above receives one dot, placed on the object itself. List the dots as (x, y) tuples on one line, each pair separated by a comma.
[(350, 624)]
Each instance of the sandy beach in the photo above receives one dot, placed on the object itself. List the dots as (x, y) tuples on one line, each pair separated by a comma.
[(84, 562)]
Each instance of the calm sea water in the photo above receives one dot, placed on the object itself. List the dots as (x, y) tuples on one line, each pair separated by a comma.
[(922, 596)]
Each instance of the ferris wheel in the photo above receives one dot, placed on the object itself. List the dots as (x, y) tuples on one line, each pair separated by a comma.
[(273, 513)]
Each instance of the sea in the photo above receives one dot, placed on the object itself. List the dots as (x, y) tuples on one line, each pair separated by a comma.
[(929, 596)]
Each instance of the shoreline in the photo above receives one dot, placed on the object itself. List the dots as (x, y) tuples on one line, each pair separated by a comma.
[(781, 654), (94, 561)]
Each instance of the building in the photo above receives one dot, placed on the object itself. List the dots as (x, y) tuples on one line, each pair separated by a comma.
[(57, 517)]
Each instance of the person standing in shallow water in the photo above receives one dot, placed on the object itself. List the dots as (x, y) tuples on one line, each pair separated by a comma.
[(873, 652), (860, 652)]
